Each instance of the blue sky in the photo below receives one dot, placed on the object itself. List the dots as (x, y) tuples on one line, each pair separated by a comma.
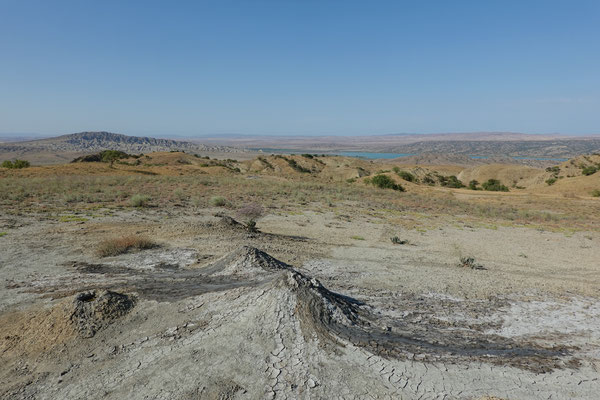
[(299, 67)]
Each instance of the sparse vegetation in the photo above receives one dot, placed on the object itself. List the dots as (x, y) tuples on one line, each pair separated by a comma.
[(218, 201), (72, 218), (180, 194), (139, 200), (397, 240), (407, 176), (249, 214), (3, 234), (265, 162), (550, 181), (357, 237), (590, 170), (473, 185), (106, 156), (494, 185), (17, 164), (88, 190), (596, 193), (428, 180), (450, 181), (469, 262), (114, 247), (296, 167), (385, 182)]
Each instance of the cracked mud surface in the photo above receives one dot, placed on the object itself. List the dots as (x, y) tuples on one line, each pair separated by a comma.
[(218, 313)]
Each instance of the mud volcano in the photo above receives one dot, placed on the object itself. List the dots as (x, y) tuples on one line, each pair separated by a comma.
[(250, 326), (95, 309)]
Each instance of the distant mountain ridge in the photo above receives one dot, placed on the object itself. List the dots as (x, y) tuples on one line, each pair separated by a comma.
[(469, 143), (95, 141)]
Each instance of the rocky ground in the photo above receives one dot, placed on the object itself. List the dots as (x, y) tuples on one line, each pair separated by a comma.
[(315, 305)]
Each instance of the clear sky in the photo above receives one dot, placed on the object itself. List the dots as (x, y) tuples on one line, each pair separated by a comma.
[(299, 67)]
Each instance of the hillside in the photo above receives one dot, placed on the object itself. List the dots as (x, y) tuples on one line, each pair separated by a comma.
[(64, 148)]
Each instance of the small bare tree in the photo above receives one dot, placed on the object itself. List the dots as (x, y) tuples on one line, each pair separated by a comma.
[(249, 213)]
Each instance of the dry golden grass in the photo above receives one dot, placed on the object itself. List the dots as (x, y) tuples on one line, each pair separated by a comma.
[(88, 186), (114, 247)]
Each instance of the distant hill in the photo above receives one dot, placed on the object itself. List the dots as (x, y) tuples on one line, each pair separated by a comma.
[(499, 144), (561, 148), (66, 147)]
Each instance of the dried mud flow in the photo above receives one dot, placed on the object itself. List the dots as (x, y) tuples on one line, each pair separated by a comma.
[(250, 326)]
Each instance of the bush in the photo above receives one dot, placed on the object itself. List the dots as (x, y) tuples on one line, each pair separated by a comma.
[(297, 167), (473, 185), (451, 182), (407, 176), (494, 185), (469, 262), (249, 214), (139, 200), (106, 156), (596, 193), (17, 164), (218, 201), (397, 240), (551, 181), (429, 180), (114, 247), (589, 170), (385, 182)]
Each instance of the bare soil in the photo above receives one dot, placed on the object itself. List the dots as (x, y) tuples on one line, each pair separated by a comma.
[(318, 304)]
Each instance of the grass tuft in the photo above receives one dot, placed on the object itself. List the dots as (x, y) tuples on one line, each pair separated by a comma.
[(139, 200), (114, 247)]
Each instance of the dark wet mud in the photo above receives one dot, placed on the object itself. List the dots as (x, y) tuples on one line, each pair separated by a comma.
[(334, 318)]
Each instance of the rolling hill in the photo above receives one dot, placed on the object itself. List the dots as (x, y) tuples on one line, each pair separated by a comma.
[(66, 147)]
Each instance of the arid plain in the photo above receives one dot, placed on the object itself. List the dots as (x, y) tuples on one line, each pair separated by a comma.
[(145, 277)]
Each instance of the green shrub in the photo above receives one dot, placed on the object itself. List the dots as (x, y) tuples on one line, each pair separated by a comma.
[(139, 200), (494, 185), (218, 201), (589, 170), (106, 156), (407, 176), (596, 193), (551, 181), (451, 182), (385, 182), (473, 185), (297, 167), (17, 164), (428, 180)]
